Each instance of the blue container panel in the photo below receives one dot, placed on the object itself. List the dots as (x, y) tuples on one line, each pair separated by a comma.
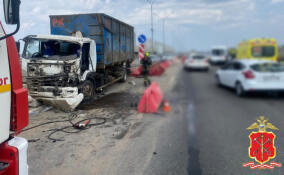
[(114, 39), (66, 25), (100, 53), (107, 47), (128, 43), (122, 43)]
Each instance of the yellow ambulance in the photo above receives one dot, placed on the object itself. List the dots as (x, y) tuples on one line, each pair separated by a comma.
[(258, 48)]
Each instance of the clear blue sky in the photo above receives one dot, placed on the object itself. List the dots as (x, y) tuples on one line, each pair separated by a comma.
[(190, 24)]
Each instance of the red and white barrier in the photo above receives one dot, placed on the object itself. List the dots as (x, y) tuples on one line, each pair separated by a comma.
[(141, 51)]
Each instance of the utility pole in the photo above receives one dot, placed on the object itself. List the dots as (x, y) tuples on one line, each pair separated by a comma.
[(164, 42), (152, 25)]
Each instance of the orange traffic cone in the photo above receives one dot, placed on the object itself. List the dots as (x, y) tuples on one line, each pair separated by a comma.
[(167, 107)]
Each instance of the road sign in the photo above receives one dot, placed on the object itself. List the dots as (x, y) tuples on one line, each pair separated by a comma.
[(142, 39)]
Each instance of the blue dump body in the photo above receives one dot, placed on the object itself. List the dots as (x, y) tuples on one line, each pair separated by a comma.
[(114, 39)]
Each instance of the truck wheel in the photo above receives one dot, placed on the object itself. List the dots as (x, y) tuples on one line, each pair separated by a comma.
[(88, 89), (124, 78)]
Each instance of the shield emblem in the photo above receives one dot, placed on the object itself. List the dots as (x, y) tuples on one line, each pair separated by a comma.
[(262, 147)]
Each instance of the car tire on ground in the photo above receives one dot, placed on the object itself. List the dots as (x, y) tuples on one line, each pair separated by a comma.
[(88, 89), (219, 84), (239, 90)]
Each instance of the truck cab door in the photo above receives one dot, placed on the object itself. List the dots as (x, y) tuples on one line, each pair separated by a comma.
[(85, 59), (93, 55), (5, 90)]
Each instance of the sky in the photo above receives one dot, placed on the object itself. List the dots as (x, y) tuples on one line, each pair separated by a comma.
[(189, 24)]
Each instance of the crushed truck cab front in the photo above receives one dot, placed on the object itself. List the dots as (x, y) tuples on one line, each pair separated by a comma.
[(55, 67)]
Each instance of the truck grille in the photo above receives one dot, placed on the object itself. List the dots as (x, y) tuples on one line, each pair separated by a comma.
[(34, 83)]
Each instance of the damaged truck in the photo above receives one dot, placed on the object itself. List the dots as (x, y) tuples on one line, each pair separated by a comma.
[(84, 54)]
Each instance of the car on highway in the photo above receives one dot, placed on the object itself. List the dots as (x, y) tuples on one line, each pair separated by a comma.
[(219, 55), (247, 76), (196, 62)]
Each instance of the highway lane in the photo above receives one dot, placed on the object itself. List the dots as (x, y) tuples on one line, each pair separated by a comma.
[(204, 134), (221, 119), (212, 122)]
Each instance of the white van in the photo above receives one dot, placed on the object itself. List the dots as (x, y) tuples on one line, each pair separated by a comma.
[(219, 54)]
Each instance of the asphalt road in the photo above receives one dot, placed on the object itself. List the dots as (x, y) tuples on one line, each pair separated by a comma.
[(206, 131)]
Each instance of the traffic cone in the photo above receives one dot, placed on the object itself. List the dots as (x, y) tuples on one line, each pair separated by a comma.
[(167, 107)]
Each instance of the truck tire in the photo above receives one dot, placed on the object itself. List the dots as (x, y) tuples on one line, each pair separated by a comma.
[(88, 89), (124, 78)]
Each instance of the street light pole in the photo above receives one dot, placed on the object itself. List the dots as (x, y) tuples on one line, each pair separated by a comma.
[(164, 42), (152, 26)]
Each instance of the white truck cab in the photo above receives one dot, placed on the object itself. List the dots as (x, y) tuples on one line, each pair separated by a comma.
[(219, 54), (54, 66)]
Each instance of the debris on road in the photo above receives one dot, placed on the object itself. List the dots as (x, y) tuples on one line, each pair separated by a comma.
[(120, 132), (33, 103), (132, 83)]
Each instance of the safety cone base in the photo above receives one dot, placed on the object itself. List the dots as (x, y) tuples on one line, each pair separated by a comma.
[(167, 107)]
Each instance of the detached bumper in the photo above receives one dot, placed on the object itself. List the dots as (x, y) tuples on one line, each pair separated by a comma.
[(64, 104), (64, 98)]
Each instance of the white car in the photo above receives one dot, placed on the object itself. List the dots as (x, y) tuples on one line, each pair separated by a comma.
[(251, 76), (196, 62)]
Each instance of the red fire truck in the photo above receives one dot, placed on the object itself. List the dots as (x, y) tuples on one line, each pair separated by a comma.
[(13, 99)]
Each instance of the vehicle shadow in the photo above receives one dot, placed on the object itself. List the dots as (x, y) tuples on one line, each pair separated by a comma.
[(196, 70), (270, 95)]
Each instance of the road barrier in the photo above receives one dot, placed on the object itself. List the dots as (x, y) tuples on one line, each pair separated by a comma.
[(157, 69), (151, 99)]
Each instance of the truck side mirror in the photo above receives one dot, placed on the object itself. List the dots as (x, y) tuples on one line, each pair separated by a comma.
[(11, 11), (12, 15), (18, 44)]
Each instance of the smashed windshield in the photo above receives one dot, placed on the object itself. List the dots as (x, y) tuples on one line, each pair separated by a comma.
[(51, 49)]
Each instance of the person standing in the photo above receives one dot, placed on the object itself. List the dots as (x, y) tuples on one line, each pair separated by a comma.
[(146, 63)]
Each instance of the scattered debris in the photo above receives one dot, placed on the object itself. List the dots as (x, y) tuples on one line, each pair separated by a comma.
[(132, 83), (47, 108), (120, 132), (33, 140), (33, 103)]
